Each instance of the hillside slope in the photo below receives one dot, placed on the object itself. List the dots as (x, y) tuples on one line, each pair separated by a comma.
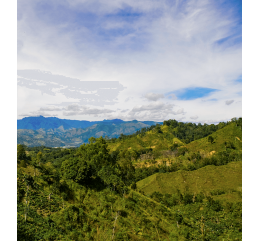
[(160, 148), (229, 135), (206, 180), (157, 139)]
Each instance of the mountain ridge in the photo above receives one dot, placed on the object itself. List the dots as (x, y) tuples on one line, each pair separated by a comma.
[(38, 122), (60, 136)]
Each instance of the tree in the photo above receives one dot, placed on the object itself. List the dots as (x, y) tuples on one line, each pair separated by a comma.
[(158, 128), (21, 155), (92, 161), (127, 171), (22, 158), (210, 139), (77, 170), (39, 157)]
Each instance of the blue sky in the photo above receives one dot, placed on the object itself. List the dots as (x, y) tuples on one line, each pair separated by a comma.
[(191, 93), (156, 60)]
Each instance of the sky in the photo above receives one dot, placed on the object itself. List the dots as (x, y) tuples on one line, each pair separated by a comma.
[(130, 60)]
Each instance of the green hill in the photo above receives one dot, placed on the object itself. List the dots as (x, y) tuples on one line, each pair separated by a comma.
[(158, 149), (229, 135), (150, 140), (206, 179)]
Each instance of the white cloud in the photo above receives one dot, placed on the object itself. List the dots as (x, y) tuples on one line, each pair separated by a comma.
[(158, 106), (156, 111), (50, 108), (173, 96), (229, 102), (74, 110), (128, 98), (153, 96), (36, 113), (124, 110), (195, 117), (180, 111)]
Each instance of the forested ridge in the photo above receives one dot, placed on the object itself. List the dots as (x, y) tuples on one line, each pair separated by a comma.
[(175, 181)]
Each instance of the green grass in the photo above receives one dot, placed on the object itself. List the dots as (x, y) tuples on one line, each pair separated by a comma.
[(206, 179)]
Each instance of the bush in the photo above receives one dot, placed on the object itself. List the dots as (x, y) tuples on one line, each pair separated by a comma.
[(181, 151), (214, 205), (187, 198)]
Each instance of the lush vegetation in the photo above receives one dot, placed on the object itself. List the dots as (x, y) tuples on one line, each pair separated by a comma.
[(175, 181)]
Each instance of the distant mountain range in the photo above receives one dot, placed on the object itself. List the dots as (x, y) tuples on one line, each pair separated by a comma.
[(55, 132), (36, 123)]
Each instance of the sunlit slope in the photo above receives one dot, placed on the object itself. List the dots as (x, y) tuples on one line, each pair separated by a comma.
[(151, 140), (206, 179), (222, 138)]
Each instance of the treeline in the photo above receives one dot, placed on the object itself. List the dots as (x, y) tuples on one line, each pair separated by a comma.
[(186, 132), (196, 161)]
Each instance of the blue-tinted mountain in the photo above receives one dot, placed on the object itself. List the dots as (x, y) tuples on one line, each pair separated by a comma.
[(36, 123), (55, 132), (41, 122)]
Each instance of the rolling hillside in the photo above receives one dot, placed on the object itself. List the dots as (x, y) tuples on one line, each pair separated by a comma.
[(160, 144), (206, 179), (222, 138)]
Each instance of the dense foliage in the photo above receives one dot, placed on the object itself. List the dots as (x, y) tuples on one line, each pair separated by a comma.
[(90, 192), (186, 132)]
